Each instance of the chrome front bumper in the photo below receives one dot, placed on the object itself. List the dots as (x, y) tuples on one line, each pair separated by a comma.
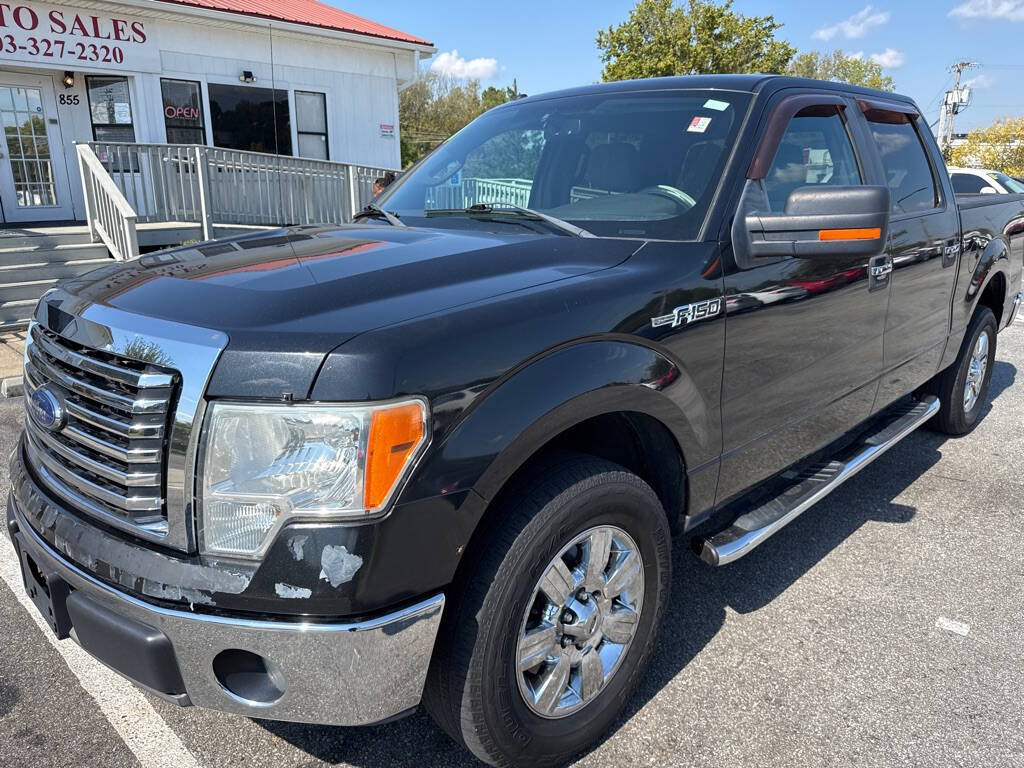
[(351, 673)]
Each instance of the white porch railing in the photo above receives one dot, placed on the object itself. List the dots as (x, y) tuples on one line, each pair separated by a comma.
[(111, 217), (466, 192), (200, 185)]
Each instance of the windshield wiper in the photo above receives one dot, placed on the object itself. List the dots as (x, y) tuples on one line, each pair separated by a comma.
[(371, 210), (516, 210)]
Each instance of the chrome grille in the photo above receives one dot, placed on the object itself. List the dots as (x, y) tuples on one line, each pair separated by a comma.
[(108, 460)]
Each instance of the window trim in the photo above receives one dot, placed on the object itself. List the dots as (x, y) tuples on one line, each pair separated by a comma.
[(327, 127), (131, 108), (202, 106)]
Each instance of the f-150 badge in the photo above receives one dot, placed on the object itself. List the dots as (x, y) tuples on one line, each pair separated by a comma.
[(689, 313)]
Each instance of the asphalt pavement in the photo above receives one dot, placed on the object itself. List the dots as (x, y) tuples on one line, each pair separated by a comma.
[(885, 627)]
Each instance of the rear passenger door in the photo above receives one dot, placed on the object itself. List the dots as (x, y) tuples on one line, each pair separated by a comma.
[(803, 336), (924, 245)]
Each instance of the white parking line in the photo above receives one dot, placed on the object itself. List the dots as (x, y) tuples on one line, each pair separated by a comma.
[(145, 733)]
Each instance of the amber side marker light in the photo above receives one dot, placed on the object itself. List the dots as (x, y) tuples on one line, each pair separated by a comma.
[(872, 233), (395, 434)]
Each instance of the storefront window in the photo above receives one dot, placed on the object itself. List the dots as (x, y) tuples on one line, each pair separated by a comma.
[(182, 102), (110, 108), (311, 124), (255, 119)]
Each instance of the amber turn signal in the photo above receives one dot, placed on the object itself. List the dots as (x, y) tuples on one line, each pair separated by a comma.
[(871, 233), (395, 434)]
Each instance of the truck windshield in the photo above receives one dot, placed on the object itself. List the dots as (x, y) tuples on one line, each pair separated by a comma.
[(631, 164)]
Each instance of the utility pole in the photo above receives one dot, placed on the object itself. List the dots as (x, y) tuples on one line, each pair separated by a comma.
[(954, 102)]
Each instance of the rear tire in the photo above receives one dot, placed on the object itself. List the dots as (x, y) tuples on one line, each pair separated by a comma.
[(963, 387), (487, 683)]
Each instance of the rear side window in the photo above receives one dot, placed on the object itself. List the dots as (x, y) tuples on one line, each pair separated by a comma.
[(967, 183), (815, 149), (907, 170)]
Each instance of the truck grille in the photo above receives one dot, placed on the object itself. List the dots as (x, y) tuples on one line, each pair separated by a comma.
[(108, 460)]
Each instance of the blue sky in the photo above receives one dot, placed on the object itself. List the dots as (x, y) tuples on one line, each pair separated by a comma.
[(550, 45)]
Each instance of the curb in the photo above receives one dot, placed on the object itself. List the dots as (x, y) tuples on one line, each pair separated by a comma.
[(12, 387)]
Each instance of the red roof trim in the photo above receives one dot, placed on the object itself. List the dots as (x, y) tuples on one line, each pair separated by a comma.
[(306, 12)]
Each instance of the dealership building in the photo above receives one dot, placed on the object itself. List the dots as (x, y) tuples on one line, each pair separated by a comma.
[(285, 77)]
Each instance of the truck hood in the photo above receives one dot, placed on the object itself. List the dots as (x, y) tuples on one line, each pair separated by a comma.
[(287, 297)]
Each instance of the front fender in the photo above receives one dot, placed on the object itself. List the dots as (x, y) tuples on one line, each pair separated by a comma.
[(524, 410)]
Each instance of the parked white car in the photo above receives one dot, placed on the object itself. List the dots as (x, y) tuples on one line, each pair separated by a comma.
[(980, 181)]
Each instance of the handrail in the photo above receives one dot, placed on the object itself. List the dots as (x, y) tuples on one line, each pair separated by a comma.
[(203, 185), (111, 217)]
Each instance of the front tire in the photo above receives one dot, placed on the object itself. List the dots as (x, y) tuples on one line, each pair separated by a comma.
[(555, 616), (963, 387)]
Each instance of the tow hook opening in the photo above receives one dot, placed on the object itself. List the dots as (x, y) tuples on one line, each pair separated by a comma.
[(248, 677)]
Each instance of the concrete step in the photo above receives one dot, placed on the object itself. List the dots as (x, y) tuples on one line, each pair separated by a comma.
[(32, 289), (25, 273), (60, 253), (44, 238), (13, 313)]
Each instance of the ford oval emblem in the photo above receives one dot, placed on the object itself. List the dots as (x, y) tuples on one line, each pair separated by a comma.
[(46, 409)]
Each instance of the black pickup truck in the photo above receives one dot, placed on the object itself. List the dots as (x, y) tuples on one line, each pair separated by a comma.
[(441, 454)]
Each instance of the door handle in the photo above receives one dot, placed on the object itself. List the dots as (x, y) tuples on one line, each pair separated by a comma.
[(949, 253), (883, 269), (879, 269)]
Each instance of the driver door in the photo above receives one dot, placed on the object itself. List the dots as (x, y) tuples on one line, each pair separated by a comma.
[(803, 352)]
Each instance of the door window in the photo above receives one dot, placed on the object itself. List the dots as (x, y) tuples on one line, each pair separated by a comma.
[(815, 149), (907, 169), (311, 124), (21, 111)]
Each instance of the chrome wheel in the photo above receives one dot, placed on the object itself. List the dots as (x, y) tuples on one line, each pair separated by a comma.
[(580, 622), (976, 369)]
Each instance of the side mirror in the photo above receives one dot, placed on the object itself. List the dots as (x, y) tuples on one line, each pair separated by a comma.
[(822, 221), (987, 191)]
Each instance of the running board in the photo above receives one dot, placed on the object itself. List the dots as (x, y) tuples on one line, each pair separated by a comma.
[(811, 485)]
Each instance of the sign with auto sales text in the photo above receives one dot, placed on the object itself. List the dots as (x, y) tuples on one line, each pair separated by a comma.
[(68, 38)]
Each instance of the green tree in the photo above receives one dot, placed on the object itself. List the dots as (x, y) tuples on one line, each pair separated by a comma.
[(1000, 147), (434, 107), (660, 38), (841, 68)]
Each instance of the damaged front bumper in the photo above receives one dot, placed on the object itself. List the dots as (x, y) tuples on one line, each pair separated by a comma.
[(350, 673)]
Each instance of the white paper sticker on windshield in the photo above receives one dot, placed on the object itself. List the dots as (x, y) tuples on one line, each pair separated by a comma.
[(715, 104), (699, 124)]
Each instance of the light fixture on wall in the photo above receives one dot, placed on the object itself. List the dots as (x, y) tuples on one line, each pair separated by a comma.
[(247, 76), (69, 80)]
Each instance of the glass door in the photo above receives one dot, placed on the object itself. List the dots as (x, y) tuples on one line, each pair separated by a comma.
[(33, 174)]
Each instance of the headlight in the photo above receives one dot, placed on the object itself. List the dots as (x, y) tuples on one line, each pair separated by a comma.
[(262, 464)]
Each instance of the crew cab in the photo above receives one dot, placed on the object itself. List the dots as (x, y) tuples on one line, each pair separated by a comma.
[(443, 453)]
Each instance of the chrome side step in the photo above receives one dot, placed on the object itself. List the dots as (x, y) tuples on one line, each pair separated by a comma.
[(812, 484)]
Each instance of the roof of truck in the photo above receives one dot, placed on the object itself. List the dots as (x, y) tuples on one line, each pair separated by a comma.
[(753, 83)]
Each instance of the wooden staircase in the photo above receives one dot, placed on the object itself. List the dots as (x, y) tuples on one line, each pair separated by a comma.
[(33, 260)]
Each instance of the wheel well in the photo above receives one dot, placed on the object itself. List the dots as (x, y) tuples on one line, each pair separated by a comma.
[(994, 296), (638, 442)]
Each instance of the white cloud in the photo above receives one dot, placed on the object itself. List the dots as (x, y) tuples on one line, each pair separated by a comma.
[(857, 25), (978, 81), (858, 55), (451, 64), (1007, 10), (890, 58)]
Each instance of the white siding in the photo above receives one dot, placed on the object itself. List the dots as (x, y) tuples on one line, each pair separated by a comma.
[(360, 81)]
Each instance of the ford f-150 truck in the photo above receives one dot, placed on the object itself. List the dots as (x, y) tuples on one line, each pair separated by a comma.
[(441, 454)]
